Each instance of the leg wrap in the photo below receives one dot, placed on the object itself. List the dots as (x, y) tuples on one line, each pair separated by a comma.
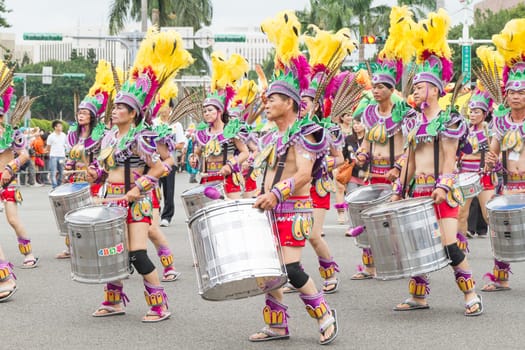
[(113, 295), (156, 298), (166, 256), (367, 257), (464, 280), (141, 261), (501, 272), (327, 267), (67, 241), (418, 286), (316, 305), (296, 275), (455, 254), (341, 207), (274, 313), (24, 245), (462, 242), (6, 271)]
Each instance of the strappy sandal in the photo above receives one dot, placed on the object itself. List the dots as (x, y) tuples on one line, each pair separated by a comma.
[(162, 314), (332, 320), (328, 283), (495, 287), (171, 276), (110, 311), (475, 301), (63, 255), (362, 275), (270, 335), (12, 290), (412, 305), (33, 263)]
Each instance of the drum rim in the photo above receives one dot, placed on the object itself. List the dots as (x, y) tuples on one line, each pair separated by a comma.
[(369, 187), (212, 184), (113, 218), (369, 213), (218, 204), (515, 195), (52, 193)]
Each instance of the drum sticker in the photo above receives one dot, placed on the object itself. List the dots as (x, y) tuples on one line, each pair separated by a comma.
[(118, 249), (437, 233)]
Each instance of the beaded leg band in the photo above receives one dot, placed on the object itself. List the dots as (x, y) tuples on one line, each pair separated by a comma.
[(464, 280), (113, 295), (274, 313), (367, 257), (341, 207), (500, 272), (418, 286), (316, 305), (327, 267), (156, 299), (462, 242), (6, 271), (24, 246)]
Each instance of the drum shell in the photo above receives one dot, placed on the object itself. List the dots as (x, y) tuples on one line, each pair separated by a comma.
[(361, 199), (68, 197), (236, 251), (405, 238), (194, 198), (469, 184), (507, 227), (99, 250)]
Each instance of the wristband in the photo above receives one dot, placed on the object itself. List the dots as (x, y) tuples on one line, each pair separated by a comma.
[(397, 187), (13, 166), (98, 169), (146, 183), (330, 163), (167, 169), (400, 162), (361, 151), (284, 189), (446, 182), (234, 166)]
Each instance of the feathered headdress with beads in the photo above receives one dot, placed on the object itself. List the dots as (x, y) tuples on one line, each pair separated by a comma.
[(100, 92), (432, 51), (510, 45), (398, 50), (160, 55), (489, 79), (291, 74), (225, 74)]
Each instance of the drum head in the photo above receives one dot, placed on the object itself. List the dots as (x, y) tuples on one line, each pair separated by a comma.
[(467, 179), (507, 202), (200, 188), (397, 206), (65, 189), (95, 214), (369, 193)]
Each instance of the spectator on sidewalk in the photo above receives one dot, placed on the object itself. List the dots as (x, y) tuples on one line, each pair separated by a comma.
[(56, 145)]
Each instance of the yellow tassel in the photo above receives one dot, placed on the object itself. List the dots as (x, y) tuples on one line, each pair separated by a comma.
[(283, 31), (168, 91), (400, 41), (246, 93), (227, 71), (103, 78), (325, 45), (510, 41), (431, 34)]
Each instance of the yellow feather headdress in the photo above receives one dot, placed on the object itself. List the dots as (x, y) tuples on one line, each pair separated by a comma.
[(510, 45)]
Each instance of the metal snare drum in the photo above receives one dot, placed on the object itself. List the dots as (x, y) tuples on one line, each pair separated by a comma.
[(507, 227), (469, 184), (405, 238), (363, 198), (194, 198), (236, 250), (68, 197), (99, 249)]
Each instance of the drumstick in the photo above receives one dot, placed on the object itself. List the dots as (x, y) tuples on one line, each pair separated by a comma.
[(114, 199), (66, 172)]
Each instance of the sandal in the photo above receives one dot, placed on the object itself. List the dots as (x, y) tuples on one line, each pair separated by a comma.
[(12, 290), (494, 287), (332, 320), (475, 301), (63, 255), (162, 314), (328, 283), (29, 263), (270, 335), (412, 305), (171, 276), (110, 311), (362, 275)]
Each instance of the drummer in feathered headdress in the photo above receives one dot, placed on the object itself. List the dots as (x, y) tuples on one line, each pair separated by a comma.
[(472, 166), (290, 152), (13, 154), (327, 51), (509, 127), (131, 166), (431, 164), (219, 149)]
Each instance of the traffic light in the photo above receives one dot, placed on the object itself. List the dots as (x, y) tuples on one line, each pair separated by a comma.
[(74, 75), (43, 36), (372, 39)]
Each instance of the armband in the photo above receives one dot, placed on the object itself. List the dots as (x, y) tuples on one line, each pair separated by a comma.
[(167, 169), (361, 151), (146, 183), (98, 169), (330, 163), (284, 189), (13, 166), (446, 182), (234, 166), (400, 162), (397, 187), (498, 167)]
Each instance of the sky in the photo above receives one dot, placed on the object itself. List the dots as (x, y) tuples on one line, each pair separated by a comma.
[(44, 16)]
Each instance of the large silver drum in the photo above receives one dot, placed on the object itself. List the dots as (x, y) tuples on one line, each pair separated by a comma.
[(99, 249), (194, 198), (405, 238), (507, 227), (236, 251), (361, 199), (68, 197), (469, 184)]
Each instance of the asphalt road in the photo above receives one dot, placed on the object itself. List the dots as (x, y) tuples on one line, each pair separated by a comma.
[(50, 311)]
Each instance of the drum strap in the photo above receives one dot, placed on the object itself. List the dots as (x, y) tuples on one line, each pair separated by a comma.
[(436, 158), (406, 174), (224, 153), (278, 173), (504, 161), (482, 161), (127, 173), (392, 153)]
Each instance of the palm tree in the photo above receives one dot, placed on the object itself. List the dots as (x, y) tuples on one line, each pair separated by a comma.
[(327, 15), (420, 8)]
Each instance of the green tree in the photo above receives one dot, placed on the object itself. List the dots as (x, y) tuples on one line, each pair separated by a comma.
[(3, 10), (420, 8), (486, 24)]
